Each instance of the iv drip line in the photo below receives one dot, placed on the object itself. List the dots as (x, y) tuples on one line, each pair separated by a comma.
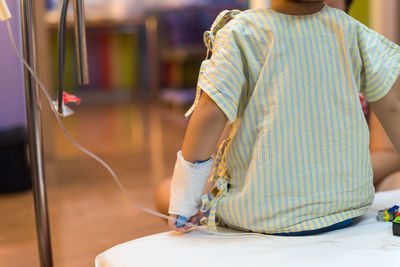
[(84, 150)]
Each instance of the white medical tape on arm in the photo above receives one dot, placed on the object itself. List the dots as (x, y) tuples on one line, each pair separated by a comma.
[(187, 186)]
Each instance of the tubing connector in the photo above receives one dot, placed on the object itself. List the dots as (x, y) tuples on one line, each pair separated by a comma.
[(4, 11)]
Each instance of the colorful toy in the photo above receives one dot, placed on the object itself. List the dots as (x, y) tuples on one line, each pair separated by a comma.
[(393, 209), (396, 226), (388, 215)]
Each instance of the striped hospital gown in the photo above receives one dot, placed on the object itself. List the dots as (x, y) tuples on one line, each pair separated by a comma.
[(298, 158)]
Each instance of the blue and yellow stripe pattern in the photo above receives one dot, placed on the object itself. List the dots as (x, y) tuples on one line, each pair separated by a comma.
[(298, 157)]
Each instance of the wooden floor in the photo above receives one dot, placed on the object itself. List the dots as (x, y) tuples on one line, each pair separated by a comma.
[(88, 213)]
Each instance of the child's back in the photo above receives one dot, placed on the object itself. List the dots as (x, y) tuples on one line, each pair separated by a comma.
[(298, 158)]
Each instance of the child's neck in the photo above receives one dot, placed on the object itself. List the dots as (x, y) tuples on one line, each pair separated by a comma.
[(296, 8)]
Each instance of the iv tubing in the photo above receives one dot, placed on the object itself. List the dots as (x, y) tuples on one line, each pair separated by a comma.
[(84, 150)]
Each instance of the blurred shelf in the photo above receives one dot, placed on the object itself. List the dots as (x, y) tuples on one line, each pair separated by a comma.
[(103, 96), (99, 21), (183, 53), (179, 97)]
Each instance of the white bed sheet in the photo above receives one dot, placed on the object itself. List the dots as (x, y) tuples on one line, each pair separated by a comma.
[(368, 243)]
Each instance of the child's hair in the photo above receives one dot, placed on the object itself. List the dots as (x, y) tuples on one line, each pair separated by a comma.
[(348, 4)]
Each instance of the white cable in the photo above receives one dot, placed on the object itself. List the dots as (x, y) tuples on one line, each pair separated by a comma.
[(84, 150), (138, 204), (77, 145)]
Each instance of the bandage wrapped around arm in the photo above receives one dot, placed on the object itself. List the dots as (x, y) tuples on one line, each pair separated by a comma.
[(187, 186)]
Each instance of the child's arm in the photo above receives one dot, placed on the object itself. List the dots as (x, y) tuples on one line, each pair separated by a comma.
[(387, 110), (205, 127), (384, 157), (204, 130)]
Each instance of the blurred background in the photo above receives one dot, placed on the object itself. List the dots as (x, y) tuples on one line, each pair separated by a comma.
[(144, 58)]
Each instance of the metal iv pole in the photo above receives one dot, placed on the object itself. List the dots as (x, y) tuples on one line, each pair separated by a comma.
[(29, 46)]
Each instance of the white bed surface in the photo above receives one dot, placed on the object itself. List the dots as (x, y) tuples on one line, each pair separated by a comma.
[(368, 243)]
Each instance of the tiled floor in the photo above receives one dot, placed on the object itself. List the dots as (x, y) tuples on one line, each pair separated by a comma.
[(88, 213)]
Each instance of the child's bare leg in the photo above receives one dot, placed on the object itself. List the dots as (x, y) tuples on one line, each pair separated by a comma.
[(384, 163), (392, 182)]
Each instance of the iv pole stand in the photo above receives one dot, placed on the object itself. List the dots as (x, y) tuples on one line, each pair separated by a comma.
[(29, 47)]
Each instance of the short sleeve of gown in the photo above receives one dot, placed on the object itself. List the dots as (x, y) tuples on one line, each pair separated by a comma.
[(223, 79), (381, 63)]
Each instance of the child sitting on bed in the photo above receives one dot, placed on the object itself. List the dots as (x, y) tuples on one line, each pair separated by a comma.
[(297, 160)]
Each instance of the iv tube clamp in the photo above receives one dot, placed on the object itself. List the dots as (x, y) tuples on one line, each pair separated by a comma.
[(80, 49)]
